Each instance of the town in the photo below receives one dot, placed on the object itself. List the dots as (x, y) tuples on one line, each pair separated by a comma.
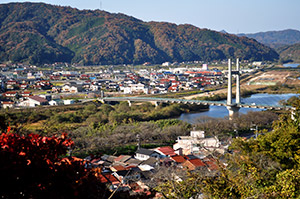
[(141, 172), (29, 86)]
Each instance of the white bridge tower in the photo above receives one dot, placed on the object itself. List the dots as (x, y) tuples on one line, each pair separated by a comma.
[(232, 107)]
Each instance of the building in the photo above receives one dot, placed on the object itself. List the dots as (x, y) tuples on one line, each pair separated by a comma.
[(136, 88), (8, 104), (165, 151), (195, 142), (56, 102), (33, 101), (145, 154)]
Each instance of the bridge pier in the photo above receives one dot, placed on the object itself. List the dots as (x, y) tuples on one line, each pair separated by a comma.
[(129, 103), (156, 103), (233, 111)]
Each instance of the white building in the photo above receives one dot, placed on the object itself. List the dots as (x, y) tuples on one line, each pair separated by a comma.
[(56, 102), (67, 102), (195, 142), (166, 64), (33, 101), (136, 88)]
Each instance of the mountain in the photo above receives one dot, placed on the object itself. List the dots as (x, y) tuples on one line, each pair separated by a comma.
[(276, 39), (223, 31), (290, 53), (41, 33)]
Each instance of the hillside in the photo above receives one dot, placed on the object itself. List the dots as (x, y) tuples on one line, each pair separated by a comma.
[(290, 53), (41, 33), (276, 39)]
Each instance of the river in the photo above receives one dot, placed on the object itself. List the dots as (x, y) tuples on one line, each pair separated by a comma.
[(291, 65), (221, 111)]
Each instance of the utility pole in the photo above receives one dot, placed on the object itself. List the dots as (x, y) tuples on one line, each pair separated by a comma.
[(254, 129), (138, 141)]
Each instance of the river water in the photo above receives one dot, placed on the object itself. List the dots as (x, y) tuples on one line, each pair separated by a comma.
[(292, 65), (221, 111)]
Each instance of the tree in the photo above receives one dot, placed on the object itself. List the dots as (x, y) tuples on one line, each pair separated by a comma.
[(35, 167), (266, 167)]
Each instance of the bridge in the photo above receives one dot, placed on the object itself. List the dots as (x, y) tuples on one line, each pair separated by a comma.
[(233, 108), (188, 101)]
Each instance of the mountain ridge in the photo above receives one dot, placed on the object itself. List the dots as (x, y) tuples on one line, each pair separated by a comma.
[(44, 33), (276, 39)]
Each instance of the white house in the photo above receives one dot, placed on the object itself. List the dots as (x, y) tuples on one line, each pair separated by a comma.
[(145, 154), (94, 87), (56, 102), (136, 88), (166, 64), (8, 104), (67, 102), (195, 142), (33, 101), (71, 88)]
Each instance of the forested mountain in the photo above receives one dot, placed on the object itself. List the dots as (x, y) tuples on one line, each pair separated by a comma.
[(41, 33), (276, 39), (290, 53)]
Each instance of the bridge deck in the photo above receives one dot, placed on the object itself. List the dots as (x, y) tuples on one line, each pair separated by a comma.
[(199, 102)]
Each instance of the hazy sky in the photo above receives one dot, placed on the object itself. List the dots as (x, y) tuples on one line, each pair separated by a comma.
[(234, 16)]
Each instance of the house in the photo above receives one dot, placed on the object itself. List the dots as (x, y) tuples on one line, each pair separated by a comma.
[(10, 94), (8, 104), (133, 162), (174, 88), (67, 102), (122, 159), (165, 151), (178, 159), (56, 102), (126, 176), (11, 84), (166, 64), (145, 154), (195, 142), (33, 101), (194, 164), (136, 88), (151, 162), (26, 93), (23, 86), (94, 87), (71, 87), (56, 89)]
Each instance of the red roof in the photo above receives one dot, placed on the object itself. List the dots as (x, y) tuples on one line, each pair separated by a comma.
[(178, 158), (119, 168), (166, 150), (197, 162), (211, 165), (111, 178), (10, 92), (95, 160), (103, 179), (7, 102)]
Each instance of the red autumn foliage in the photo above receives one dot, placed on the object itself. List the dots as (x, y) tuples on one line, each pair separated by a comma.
[(33, 166)]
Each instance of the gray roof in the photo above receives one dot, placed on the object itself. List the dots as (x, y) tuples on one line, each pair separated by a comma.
[(145, 151), (151, 161)]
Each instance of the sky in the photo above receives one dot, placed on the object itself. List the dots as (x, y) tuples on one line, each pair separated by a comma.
[(233, 16)]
